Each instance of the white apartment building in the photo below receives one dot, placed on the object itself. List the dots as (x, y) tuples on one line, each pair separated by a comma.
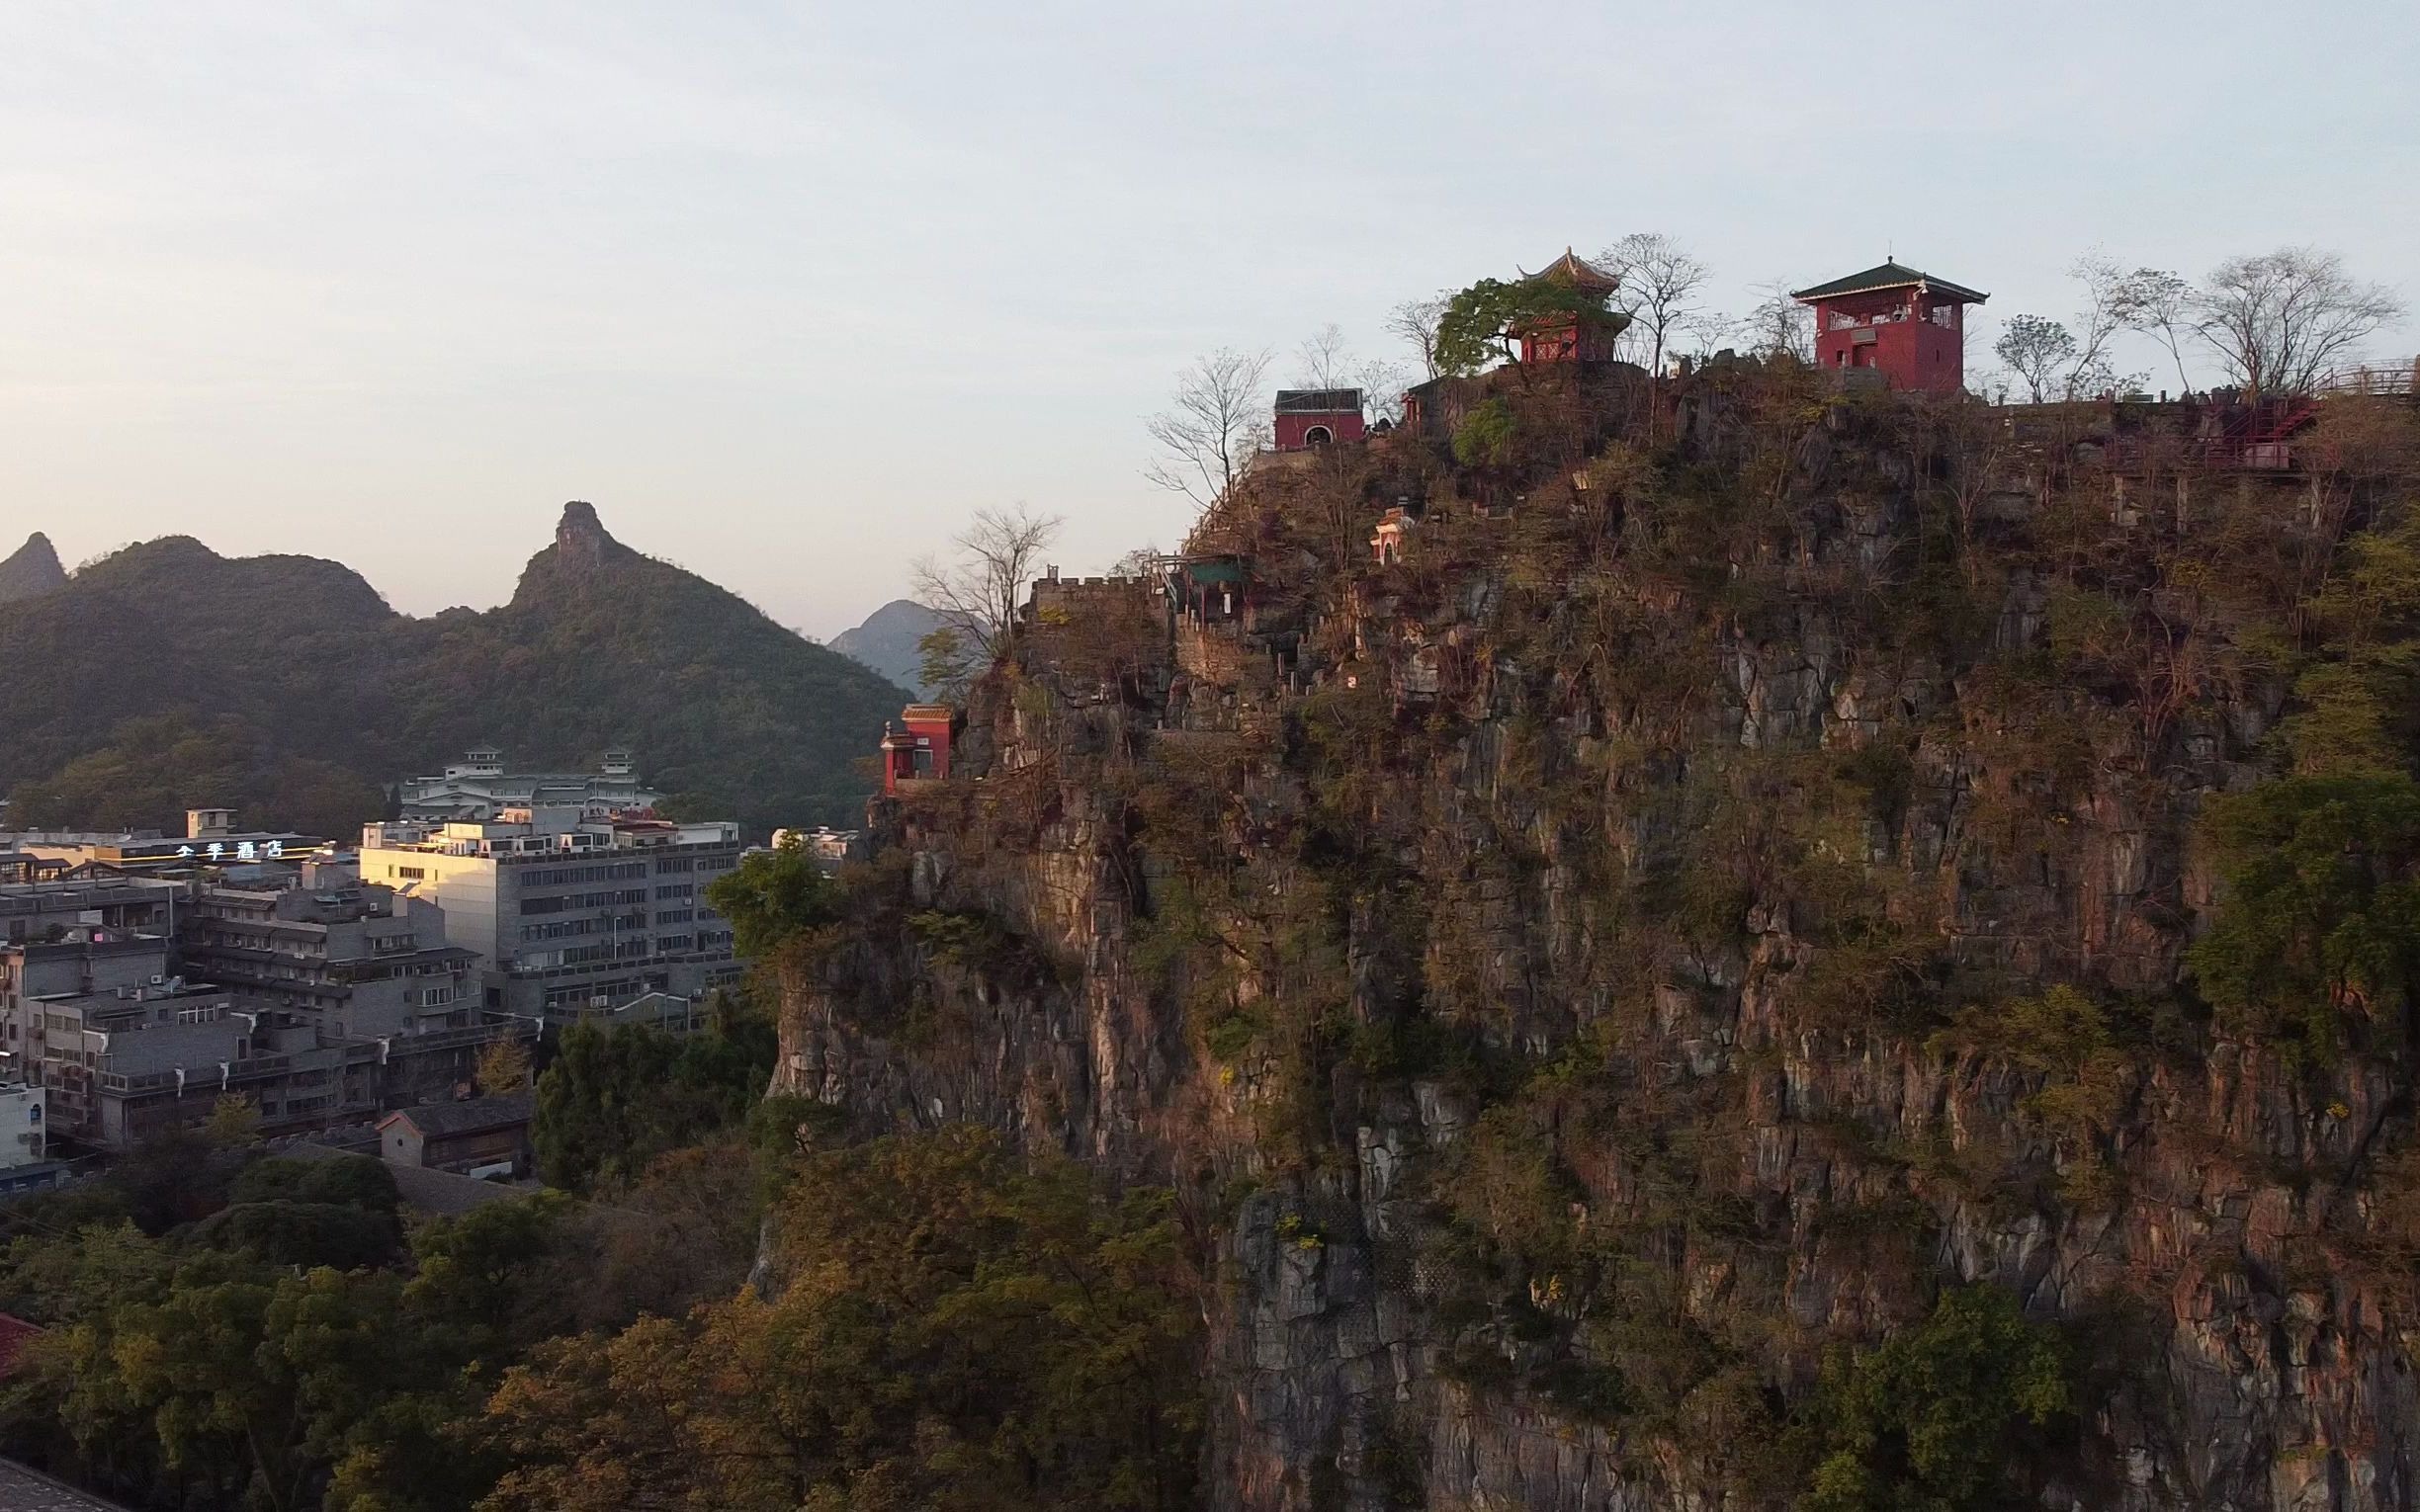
[(23, 1140), (578, 910)]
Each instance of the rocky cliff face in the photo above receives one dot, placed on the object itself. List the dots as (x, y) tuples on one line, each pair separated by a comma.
[(33, 569), (1724, 884)]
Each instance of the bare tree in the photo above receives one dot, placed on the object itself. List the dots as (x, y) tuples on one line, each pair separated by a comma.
[(1416, 321), (1326, 359), (2280, 320), (977, 590), (1660, 278), (1382, 385), (2159, 304), (1778, 325), (1212, 431), (2096, 324)]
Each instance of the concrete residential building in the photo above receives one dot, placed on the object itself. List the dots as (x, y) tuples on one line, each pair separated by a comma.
[(575, 910), (367, 971), (478, 789), (23, 1140), (337, 1006), (122, 1046), (112, 906)]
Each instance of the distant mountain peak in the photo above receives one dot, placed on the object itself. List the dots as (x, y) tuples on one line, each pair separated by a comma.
[(33, 569), (581, 537), (888, 641)]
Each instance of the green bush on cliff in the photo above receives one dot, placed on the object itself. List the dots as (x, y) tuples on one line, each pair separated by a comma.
[(2319, 923), (1935, 1419)]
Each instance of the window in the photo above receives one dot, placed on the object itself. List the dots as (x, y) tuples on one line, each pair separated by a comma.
[(438, 998), (677, 890), (408, 874), (673, 945), (674, 915), (673, 864)]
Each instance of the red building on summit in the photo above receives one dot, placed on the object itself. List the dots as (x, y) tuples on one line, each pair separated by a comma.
[(1909, 326)]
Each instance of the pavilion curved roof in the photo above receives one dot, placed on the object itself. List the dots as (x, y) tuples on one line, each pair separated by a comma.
[(1570, 269), (1889, 275)]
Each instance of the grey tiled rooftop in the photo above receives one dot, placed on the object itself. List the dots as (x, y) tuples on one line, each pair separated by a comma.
[(21, 1491)]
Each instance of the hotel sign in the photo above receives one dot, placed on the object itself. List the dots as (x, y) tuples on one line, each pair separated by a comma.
[(241, 850)]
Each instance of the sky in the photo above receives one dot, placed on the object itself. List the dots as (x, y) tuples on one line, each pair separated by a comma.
[(789, 290)]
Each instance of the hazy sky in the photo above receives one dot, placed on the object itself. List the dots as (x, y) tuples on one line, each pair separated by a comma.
[(787, 289)]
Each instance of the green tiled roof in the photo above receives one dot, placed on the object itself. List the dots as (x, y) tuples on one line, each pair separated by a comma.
[(1888, 276)]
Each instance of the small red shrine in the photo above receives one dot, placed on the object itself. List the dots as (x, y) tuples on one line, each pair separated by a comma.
[(921, 752), (1908, 326), (1583, 336), (1315, 417)]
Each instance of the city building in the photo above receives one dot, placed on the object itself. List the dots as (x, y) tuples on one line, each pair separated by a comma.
[(122, 1046), (112, 906), (477, 788), (831, 847), (24, 1141), (335, 1007), (367, 971), (1315, 417), (210, 838), (1909, 327), (576, 911)]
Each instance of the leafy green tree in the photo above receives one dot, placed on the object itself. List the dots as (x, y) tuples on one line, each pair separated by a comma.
[(360, 1182), (233, 1122), (1485, 322), (1486, 435), (1941, 1417), (503, 1067), (303, 1233), (957, 1331), (775, 899), (615, 1098), (946, 663), (493, 1281), (2320, 920)]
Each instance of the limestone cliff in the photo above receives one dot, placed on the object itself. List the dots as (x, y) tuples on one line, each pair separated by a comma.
[(30, 570), (1730, 876)]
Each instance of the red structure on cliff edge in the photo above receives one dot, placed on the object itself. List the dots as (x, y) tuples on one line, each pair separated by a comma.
[(921, 752), (1909, 326), (1586, 336)]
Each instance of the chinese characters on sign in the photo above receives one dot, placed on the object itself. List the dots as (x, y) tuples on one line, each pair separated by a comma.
[(244, 850)]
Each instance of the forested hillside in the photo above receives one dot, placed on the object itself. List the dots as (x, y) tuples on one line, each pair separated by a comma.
[(166, 675)]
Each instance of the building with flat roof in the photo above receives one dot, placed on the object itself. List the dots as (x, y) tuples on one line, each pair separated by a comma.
[(369, 970), (576, 911), (114, 905), (477, 788), (209, 839), (135, 1003)]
